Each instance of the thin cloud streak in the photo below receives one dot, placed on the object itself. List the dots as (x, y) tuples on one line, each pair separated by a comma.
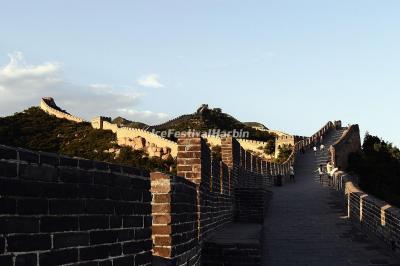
[(150, 81)]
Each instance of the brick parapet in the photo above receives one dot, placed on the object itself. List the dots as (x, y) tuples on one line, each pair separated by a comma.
[(224, 189), (48, 105), (212, 200), (305, 143), (350, 142), (60, 210), (175, 223), (377, 218)]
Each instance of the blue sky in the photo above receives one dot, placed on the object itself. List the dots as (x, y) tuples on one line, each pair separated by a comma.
[(292, 65)]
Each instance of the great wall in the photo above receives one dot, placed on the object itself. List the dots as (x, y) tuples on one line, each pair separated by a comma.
[(48, 105), (138, 139), (57, 210), (155, 145)]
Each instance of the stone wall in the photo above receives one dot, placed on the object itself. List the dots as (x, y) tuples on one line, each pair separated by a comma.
[(103, 210), (56, 210), (233, 190), (289, 140), (136, 138), (372, 215), (254, 146), (251, 204), (349, 143), (307, 143), (257, 147), (207, 195), (175, 227), (48, 105), (139, 139), (153, 144), (214, 206)]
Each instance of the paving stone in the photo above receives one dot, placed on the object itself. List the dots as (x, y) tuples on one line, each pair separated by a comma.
[(306, 224)]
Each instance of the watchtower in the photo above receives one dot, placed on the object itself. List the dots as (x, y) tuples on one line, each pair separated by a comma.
[(97, 122)]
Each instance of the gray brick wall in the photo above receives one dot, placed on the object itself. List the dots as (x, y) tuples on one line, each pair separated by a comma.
[(58, 210), (372, 215)]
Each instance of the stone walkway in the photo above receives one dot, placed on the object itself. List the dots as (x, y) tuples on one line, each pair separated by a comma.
[(306, 225)]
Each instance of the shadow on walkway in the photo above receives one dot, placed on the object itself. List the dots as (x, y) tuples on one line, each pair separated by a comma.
[(306, 225)]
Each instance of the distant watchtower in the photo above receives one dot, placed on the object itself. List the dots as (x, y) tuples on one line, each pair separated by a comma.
[(202, 109), (97, 122)]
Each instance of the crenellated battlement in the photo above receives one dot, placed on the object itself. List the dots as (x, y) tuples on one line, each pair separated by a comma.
[(138, 138), (156, 145), (48, 105), (98, 212), (348, 143), (306, 143), (108, 205), (58, 210)]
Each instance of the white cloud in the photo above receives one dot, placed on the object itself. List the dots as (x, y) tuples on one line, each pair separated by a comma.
[(151, 81), (22, 86), (18, 68)]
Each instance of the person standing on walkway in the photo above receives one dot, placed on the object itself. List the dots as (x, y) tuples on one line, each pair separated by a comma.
[(320, 171), (322, 147), (329, 168), (332, 174), (315, 150), (292, 174)]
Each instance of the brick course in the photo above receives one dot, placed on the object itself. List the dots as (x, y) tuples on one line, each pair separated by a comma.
[(57, 210), (189, 208)]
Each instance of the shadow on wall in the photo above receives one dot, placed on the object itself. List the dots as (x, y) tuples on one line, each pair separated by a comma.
[(349, 143)]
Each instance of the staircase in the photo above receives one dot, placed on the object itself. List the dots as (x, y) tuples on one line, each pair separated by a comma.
[(323, 156)]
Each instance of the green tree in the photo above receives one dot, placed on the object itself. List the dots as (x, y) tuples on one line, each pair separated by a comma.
[(216, 152), (378, 168), (270, 147), (284, 152)]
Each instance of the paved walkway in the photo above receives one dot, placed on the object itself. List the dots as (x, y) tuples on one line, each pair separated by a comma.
[(306, 225), (238, 233)]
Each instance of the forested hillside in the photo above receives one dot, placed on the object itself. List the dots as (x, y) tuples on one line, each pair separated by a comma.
[(378, 168), (34, 129)]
